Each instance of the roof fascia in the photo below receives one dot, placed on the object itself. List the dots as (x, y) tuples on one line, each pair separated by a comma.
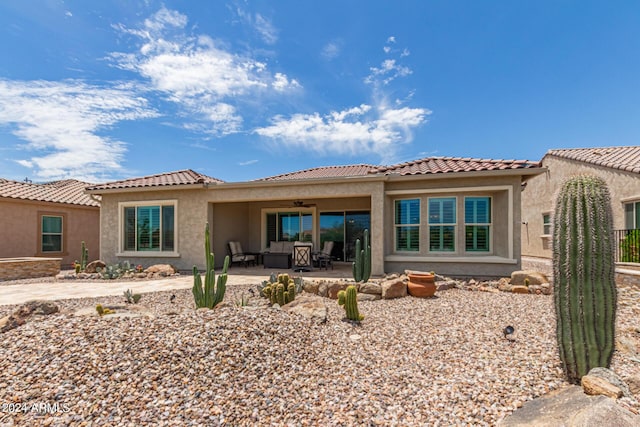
[(472, 174), (146, 189)]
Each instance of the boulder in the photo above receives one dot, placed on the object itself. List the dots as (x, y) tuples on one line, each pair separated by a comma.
[(368, 297), (634, 384), (370, 288), (19, 317), (394, 288), (535, 278), (570, 407), (334, 288), (161, 270), (312, 307), (311, 287), (594, 386), (612, 378), (91, 267), (519, 289)]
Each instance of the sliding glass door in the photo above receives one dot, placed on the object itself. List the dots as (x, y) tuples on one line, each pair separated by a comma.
[(343, 228)]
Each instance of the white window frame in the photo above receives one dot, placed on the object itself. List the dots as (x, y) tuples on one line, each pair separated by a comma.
[(547, 224), (489, 224), (396, 226), (148, 254), (454, 225), (299, 211)]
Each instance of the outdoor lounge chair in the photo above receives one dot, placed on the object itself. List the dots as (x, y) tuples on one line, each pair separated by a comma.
[(237, 255), (322, 259)]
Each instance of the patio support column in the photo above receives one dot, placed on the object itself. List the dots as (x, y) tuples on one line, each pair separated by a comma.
[(376, 234)]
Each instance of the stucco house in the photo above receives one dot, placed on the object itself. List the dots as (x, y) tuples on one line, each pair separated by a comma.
[(456, 216), (619, 167), (48, 220)]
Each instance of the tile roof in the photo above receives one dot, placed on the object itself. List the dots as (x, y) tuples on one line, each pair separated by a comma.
[(433, 165), (183, 177), (623, 158), (324, 172), (69, 191)]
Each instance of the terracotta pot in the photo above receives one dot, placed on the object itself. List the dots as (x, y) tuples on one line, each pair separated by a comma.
[(421, 285)]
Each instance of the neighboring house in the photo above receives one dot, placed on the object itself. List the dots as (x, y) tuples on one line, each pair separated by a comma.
[(456, 216), (48, 220), (619, 167)]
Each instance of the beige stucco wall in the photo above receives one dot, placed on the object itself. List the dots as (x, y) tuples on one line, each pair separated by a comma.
[(191, 217), (540, 194), (503, 257), (19, 229)]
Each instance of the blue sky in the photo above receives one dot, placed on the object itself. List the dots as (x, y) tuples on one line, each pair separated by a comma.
[(240, 90)]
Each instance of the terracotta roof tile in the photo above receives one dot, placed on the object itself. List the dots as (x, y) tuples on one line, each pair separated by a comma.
[(324, 172), (622, 158), (433, 165), (67, 191), (183, 177)]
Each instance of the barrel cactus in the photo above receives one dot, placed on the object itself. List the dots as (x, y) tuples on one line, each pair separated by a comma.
[(584, 282)]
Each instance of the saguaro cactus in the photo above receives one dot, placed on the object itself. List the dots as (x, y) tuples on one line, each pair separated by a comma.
[(583, 270), (348, 299), (362, 264), (84, 257), (212, 293)]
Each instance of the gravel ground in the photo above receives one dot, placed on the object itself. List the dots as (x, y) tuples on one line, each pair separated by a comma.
[(441, 361)]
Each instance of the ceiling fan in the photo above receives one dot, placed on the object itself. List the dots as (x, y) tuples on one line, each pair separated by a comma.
[(300, 204)]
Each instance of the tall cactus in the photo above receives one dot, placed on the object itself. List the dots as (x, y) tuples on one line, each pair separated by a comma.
[(348, 299), (84, 257), (213, 293), (362, 265), (583, 270)]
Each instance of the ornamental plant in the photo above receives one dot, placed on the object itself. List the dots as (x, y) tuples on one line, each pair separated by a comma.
[(211, 293), (583, 270)]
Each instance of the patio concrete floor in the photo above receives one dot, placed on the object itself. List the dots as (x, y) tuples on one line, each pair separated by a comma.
[(238, 275)]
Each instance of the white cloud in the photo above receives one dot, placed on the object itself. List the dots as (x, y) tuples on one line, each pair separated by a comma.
[(331, 50), (358, 131), (265, 28), (248, 162), (62, 121), (391, 39), (197, 73), (388, 71)]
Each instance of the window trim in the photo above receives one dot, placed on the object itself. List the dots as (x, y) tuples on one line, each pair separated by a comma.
[(636, 205), (454, 225), (479, 224), (550, 224), (148, 254), (408, 225), (63, 240)]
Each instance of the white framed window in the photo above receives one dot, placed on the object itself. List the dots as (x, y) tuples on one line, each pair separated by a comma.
[(148, 227), (477, 223), (407, 225), (288, 225), (632, 215), (442, 224), (546, 224), (51, 229)]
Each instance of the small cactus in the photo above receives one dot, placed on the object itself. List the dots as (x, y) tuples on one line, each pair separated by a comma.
[(84, 259), (348, 299), (280, 294)]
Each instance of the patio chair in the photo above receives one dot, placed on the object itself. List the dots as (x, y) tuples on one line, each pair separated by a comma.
[(322, 259), (238, 256), (302, 256)]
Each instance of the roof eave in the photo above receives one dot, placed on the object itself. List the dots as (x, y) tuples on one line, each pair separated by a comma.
[(470, 174), (147, 188)]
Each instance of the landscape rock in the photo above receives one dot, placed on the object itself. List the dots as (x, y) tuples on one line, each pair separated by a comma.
[(311, 287), (19, 317), (368, 297), (91, 267), (334, 288), (161, 270), (519, 289), (634, 384), (394, 288), (535, 278), (370, 288), (595, 386), (312, 307), (612, 378), (570, 407)]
